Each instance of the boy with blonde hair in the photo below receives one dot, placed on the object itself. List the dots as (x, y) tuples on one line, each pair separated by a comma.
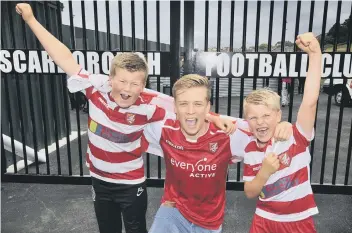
[(278, 172)]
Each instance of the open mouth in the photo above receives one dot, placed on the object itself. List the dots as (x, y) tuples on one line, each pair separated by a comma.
[(125, 97), (191, 122), (262, 132)]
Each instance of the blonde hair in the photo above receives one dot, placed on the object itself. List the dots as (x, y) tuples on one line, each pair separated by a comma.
[(131, 62), (192, 80), (264, 97)]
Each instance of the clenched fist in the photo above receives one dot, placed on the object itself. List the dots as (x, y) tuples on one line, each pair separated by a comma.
[(271, 164), (25, 10), (308, 43)]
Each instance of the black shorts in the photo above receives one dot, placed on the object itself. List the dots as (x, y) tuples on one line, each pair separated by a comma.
[(111, 200)]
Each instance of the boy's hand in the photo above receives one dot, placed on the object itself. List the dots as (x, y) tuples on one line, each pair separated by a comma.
[(227, 125), (308, 43), (283, 131), (25, 10), (270, 165)]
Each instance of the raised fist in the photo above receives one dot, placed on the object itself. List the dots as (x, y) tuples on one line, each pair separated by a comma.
[(25, 10), (308, 43)]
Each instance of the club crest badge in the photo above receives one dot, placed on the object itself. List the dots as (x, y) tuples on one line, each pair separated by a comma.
[(213, 147), (130, 117)]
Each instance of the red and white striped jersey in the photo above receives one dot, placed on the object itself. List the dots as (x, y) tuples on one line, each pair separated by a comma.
[(287, 195), (115, 135), (196, 170)]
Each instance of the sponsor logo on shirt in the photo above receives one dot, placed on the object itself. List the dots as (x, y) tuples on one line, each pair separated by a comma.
[(278, 187), (198, 170), (174, 146), (103, 102), (112, 135)]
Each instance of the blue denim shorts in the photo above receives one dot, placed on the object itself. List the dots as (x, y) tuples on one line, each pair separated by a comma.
[(170, 220)]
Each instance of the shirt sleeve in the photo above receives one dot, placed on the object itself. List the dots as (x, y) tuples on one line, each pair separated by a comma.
[(164, 101), (152, 133), (239, 140), (300, 137), (86, 83)]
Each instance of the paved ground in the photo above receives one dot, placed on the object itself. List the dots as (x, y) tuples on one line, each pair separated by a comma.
[(39, 208)]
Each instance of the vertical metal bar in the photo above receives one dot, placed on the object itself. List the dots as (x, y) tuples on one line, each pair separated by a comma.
[(3, 155), (188, 36), (232, 24), (206, 26), (64, 93), (73, 46), (158, 26), (108, 24), (270, 36), (76, 95), (348, 50), (348, 157), (19, 98), (175, 24), (292, 86), (133, 27), (218, 44), (96, 28), (229, 86), (43, 107), (256, 44), (53, 98), (7, 94), (158, 49), (31, 107), (283, 38), (121, 26), (310, 28), (83, 12), (322, 170), (339, 126), (244, 39), (145, 14)]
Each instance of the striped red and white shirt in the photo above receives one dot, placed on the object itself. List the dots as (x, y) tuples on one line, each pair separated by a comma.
[(115, 135), (287, 195)]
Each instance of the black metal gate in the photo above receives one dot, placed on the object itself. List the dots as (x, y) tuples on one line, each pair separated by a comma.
[(42, 122)]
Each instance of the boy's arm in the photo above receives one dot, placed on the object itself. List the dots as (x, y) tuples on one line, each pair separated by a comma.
[(152, 133), (254, 179), (162, 100), (306, 113), (60, 54)]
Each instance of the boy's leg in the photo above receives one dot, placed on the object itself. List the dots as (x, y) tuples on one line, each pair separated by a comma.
[(134, 202), (107, 212), (170, 220)]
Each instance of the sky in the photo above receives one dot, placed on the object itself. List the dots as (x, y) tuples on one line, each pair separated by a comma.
[(199, 24)]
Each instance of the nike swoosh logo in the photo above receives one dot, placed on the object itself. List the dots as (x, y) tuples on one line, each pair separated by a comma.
[(140, 191)]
